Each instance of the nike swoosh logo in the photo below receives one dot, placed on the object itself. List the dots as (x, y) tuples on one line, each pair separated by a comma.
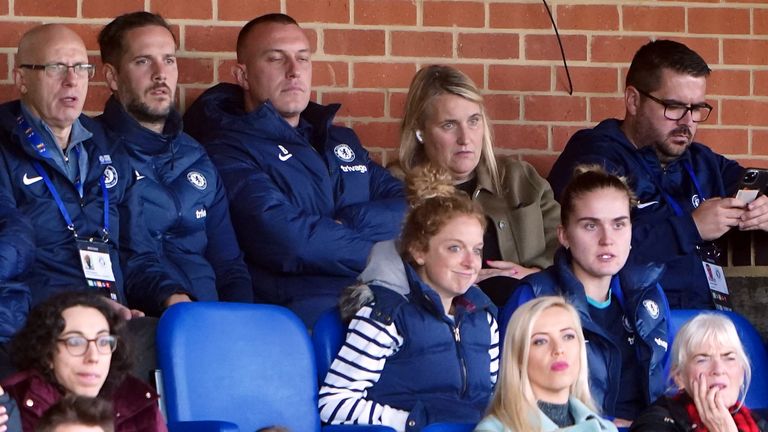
[(28, 181), (284, 157), (646, 204)]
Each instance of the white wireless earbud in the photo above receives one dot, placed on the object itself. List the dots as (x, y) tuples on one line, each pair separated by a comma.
[(419, 137)]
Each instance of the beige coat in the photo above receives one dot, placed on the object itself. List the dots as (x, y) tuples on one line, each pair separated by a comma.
[(525, 216)]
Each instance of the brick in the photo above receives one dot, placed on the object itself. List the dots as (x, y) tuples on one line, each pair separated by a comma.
[(760, 142), (224, 71), (587, 17), (588, 79), (554, 108), (728, 83), (195, 70), (500, 46), (385, 157), (707, 48), (760, 83), (189, 95), (383, 75), (375, 135), (188, 9), (4, 7), (745, 51), (422, 44), (354, 42), (519, 78), (89, 33), (723, 140), (10, 33), (454, 14), (45, 8), (723, 20), (653, 18), (545, 47), (210, 39), (320, 11), (502, 106), (520, 137), (561, 135), (542, 162), (110, 9), (97, 97), (601, 108), (330, 74), (397, 104), (615, 48), (518, 16), (760, 21), (357, 103), (5, 67), (744, 112), (754, 163), (396, 12), (245, 10)]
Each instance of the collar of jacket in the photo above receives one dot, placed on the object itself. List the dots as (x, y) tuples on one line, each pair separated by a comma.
[(612, 128), (484, 181), (470, 302), (141, 139)]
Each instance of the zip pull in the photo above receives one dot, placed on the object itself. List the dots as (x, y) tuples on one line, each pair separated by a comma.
[(456, 334)]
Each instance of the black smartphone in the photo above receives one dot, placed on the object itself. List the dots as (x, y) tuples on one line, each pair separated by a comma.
[(753, 184)]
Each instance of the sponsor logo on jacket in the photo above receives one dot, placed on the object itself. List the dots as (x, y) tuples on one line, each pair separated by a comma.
[(354, 168)]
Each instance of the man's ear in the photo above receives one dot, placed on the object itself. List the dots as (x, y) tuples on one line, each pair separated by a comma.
[(240, 73), (631, 100), (110, 75), (20, 81), (562, 237)]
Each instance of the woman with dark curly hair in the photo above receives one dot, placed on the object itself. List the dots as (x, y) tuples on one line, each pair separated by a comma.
[(55, 353)]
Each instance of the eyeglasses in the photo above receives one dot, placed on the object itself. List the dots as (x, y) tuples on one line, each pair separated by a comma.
[(60, 70), (676, 111), (78, 345)]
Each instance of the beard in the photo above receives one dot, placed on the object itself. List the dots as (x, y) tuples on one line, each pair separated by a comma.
[(143, 113), (668, 146)]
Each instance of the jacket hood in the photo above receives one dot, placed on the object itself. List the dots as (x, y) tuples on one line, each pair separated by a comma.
[(222, 107), (385, 268)]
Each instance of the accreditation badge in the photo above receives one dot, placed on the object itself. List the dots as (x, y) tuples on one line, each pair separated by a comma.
[(97, 267)]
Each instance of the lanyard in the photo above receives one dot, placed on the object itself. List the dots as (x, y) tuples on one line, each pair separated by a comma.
[(667, 197), (37, 143)]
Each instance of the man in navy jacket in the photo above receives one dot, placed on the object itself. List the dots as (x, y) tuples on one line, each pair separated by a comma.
[(76, 187), (185, 205), (307, 201), (685, 190)]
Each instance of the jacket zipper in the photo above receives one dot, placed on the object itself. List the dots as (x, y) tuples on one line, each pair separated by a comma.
[(462, 362)]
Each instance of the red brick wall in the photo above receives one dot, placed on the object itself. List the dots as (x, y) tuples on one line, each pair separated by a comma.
[(366, 52)]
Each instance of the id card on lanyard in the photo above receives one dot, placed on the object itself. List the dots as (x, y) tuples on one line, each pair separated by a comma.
[(708, 252), (95, 257)]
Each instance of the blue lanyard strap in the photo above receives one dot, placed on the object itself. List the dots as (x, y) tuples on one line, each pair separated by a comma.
[(34, 140)]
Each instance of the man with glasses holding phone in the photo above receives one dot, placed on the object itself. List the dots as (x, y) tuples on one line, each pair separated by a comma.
[(77, 189), (684, 189)]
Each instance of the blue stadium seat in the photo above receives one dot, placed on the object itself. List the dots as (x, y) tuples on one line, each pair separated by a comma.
[(238, 367), (449, 427), (328, 336), (757, 396)]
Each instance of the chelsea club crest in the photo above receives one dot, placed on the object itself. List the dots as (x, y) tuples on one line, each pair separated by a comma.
[(344, 152)]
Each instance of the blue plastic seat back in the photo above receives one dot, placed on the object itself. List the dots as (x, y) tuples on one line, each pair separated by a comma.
[(328, 335), (757, 396), (248, 364)]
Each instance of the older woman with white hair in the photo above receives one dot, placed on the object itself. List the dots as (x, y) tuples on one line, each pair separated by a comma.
[(710, 373)]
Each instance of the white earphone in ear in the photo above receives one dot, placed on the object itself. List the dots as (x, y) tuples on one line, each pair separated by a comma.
[(419, 137)]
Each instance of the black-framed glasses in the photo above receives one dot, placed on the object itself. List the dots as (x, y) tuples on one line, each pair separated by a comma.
[(78, 345), (60, 70), (676, 111)]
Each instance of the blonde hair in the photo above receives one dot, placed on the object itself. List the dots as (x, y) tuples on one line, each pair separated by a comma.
[(513, 400), (434, 202), (428, 83), (707, 328)]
